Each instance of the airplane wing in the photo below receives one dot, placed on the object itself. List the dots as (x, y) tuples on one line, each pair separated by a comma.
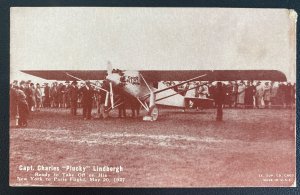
[(213, 75), (64, 75), (165, 75)]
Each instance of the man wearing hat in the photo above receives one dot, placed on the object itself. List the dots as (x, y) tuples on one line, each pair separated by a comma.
[(259, 95), (33, 97), (267, 95), (67, 94), (249, 94), (289, 94), (241, 94), (23, 109), (234, 93), (73, 93), (28, 92), (15, 83), (87, 100), (47, 96), (219, 98), (38, 97), (22, 85), (13, 100)]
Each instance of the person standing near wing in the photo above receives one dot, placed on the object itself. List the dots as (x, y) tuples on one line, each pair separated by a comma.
[(289, 95), (87, 100), (23, 108), (32, 97), (190, 95), (219, 97), (98, 97), (38, 97), (259, 95), (121, 98), (203, 92), (267, 95), (13, 103), (273, 94), (235, 93), (73, 94), (249, 94), (47, 96), (241, 94), (28, 93)]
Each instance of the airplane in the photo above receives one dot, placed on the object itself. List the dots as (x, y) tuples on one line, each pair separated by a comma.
[(141, 85)]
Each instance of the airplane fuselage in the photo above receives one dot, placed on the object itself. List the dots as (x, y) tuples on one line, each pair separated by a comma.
[(131, 82)]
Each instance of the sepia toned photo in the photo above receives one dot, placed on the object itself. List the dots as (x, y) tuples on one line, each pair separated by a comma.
[(152, 97)]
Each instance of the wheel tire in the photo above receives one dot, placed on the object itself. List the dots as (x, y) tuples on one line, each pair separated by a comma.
[(154, 112)]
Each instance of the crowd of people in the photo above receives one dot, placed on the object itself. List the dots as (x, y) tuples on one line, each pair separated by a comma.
[(237, 94), (26, 97), (244, 94)]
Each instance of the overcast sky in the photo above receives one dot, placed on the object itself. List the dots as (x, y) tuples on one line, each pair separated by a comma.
[(152, 38)]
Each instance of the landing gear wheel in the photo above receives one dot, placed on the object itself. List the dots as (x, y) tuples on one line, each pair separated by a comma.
[(153, 112)]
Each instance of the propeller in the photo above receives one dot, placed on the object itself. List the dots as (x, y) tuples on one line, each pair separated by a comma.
[(106, 99), (109, 94)]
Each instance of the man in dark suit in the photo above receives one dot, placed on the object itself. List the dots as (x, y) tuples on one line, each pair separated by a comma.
[(28, 94), (121, 98), (47, 96), (23, 109), (87, 100), (73, 94), (249, 94), (289, 95), (219, 100), (13, 100)]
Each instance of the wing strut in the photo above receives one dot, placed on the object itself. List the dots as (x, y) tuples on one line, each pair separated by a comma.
[(146, 83), (152, 94), (143, 104), (164, 89)]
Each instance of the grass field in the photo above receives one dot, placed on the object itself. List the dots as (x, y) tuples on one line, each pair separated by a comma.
[(250, 148)]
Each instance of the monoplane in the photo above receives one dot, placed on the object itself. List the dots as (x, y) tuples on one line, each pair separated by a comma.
[(142, 85)]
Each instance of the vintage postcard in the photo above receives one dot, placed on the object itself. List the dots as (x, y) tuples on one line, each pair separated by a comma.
[(152, 97)]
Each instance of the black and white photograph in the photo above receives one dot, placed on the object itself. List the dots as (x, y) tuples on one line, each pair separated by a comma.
[(152, 97)]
